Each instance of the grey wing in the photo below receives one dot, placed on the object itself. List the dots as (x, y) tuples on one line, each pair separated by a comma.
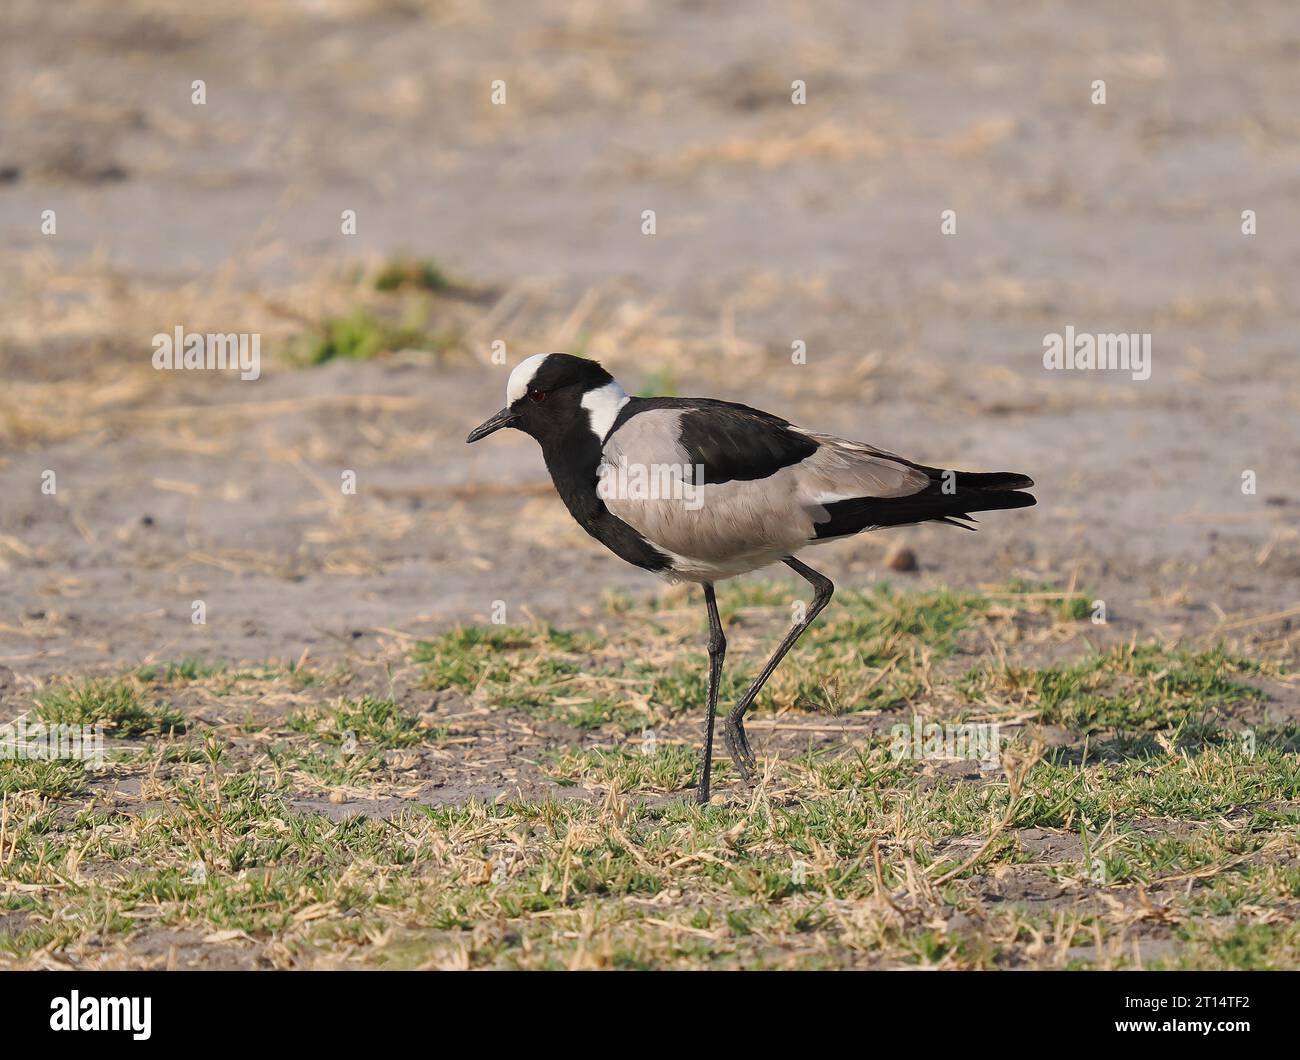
[(647, 480), (844, 470)]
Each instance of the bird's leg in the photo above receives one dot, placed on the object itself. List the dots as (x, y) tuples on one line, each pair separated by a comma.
[(733, 729), (717, 649)]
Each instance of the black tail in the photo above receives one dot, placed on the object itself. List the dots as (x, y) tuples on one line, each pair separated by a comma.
[(949, 496)]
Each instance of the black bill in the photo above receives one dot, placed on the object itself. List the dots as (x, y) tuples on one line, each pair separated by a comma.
[(504, 418)]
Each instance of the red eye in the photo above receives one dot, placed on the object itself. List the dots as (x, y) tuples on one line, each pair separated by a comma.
[(536, 395)]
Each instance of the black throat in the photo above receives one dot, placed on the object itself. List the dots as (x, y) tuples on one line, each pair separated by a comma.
[(573, 459)]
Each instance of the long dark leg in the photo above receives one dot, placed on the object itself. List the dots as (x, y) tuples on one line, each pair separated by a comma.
[(733, 729), (717, 649)]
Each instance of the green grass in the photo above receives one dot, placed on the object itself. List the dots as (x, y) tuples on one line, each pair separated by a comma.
[(466, 656), (332, 769), (1238, 946), (1154, 827), (55, 779), (371, 721), (182, 672), (1121, 689), (871, 650), (881, 623), (362, 335), (663, 770), (536, 670), (617, 883), (116, 703), (681, 686)]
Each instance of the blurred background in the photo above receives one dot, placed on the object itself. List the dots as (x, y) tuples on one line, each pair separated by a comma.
[(518, 227)]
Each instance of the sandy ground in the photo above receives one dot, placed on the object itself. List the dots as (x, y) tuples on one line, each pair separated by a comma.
[(775, 223)]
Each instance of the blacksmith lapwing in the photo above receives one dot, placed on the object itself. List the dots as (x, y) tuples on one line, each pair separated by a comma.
[(701, 490)]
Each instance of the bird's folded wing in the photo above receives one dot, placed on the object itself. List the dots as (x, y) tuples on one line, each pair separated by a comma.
[(844, 470), (726, 481)]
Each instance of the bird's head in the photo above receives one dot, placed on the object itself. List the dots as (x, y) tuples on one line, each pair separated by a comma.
[(549, 394)]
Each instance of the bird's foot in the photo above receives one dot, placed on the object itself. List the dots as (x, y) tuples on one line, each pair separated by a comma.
[(742, 741), (738, 747)]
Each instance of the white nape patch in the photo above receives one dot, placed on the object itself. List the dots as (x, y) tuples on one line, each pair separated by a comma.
[(517, 386), (602, 404)]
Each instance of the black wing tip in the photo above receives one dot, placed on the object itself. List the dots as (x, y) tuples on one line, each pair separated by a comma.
[(932, 505), (994, 481), (1010, 499)]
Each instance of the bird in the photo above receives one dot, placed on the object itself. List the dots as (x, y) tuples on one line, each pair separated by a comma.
[(701, 490)]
